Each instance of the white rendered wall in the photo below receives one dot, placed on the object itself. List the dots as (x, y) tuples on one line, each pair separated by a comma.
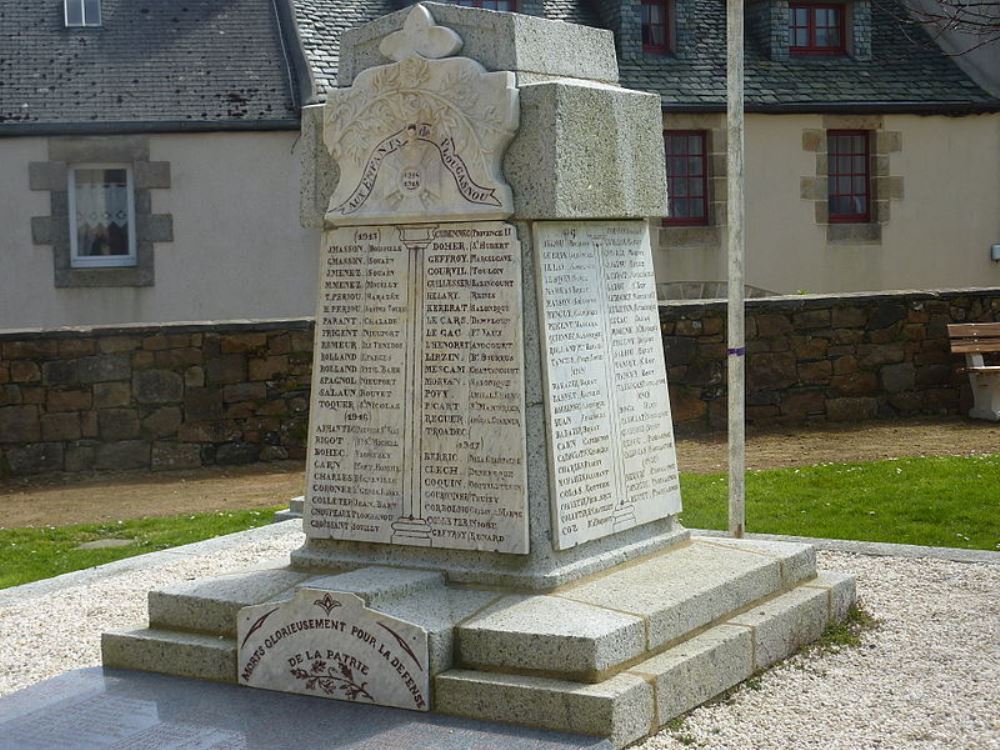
[(238, 250), (938, 235)]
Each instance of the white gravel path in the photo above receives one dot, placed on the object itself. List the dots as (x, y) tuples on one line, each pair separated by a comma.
[(927, 677)]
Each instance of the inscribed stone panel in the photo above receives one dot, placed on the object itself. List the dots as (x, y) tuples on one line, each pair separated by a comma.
[(418, 433), (611, 446), (421, 138), (329, 644)]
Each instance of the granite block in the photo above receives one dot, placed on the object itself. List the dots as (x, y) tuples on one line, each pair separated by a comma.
[(550, 634), (210, 605), (205, 657), (798, 561), (587, 151), (683, 589), (376, 584), (620, 708), (500, 41), (785, 624), (842, 593), (691, 673)]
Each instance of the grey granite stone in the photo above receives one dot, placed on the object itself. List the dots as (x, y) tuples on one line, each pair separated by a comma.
[(418, 597), (376, 584), (587, 151), (620, 708), (684, 589), (210, 605), (798, 560), (205, 657), (543, 569), (438, 611), (691, 673), (786, 623), (500, 41), (842, 593), (550, 634)]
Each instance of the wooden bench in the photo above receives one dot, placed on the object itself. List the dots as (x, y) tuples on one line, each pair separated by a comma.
[(973, 340)]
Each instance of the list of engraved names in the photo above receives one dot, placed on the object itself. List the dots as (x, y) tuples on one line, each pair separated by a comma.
[(418, 394), (613, 463)]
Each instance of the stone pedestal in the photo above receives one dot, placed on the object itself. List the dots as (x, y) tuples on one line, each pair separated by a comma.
[(492, 488)]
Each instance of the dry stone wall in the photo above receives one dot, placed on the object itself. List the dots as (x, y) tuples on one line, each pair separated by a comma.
[(153, 397), (180, 396), (824, 358)]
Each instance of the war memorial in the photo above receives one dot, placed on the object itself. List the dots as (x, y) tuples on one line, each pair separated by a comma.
[(492, 490)]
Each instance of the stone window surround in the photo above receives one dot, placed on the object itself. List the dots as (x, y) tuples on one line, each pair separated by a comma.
[(884, 186), (707, 235), (52, 176), (776, 22)]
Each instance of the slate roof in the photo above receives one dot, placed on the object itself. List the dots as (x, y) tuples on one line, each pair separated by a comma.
[(228, 64), (912, 75), (321, 22), (905, 69), (155, 64)]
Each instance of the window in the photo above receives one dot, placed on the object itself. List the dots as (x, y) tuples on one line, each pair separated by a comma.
[(816, 29), (83, 12), (655, 26), (849, 176), (101, 216), (509, 6), (687, 177)]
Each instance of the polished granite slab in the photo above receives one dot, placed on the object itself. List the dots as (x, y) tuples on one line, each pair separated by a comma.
[(107, 709)]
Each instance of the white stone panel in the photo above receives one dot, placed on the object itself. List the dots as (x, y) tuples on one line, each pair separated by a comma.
[(328, 644), (418, 431), (421, 139), (611, 443)]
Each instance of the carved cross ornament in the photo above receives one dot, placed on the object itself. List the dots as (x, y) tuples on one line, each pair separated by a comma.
[(421, 139)]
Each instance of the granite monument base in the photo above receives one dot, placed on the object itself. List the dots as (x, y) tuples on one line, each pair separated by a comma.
[(615, 654)]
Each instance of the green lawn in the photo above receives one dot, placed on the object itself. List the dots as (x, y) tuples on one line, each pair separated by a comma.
[(29, 554), (945, 502), (941, 501)]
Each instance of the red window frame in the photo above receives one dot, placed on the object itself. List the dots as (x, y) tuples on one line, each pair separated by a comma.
[(848, 154), (683, 184), (812, 47), (651, 41), (511, 5)]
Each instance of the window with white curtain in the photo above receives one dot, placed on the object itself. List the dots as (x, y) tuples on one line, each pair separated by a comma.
[(101, 215), (83, 12)]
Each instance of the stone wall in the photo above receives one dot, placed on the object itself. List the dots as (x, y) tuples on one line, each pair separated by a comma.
[(834, 358), (158, 397), (185, 395)]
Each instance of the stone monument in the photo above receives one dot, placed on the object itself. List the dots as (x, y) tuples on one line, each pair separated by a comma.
[(492, 490)]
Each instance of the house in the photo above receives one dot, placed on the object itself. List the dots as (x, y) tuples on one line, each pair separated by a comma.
[(150, 169), (147, 163)]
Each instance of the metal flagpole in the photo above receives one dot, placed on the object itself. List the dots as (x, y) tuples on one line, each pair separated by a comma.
[(736, 252)]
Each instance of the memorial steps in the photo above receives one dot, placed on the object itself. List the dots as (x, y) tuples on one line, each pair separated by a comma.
[(617, 654)]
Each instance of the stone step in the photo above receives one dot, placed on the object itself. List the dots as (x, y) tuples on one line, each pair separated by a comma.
[(210, 605), (203, 657), (643, 697), (591, 628)]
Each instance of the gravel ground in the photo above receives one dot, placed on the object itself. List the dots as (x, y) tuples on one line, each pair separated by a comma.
[(927, 677)]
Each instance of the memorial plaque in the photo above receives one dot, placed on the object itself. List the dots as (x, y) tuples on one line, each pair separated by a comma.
[(611, 447), (422, 137), (418, 433), (329, 644)]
